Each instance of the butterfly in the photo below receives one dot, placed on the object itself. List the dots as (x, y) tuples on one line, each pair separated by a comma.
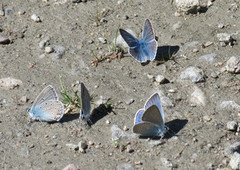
[(149, 121), (46, 106), (86, 105), (144, 49)]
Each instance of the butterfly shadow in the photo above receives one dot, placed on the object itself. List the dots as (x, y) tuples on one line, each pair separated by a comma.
[(174, 127), (101, 111), (69, 117), (165, 53)]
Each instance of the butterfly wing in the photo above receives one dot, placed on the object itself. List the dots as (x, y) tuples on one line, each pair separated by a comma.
[(138, 116), (130, 40), (48, 93), (86, 105), (155, 100), (50, 110), (152, 114), (148, 34), (146, 129)]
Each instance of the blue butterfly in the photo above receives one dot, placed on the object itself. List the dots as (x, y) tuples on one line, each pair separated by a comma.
[(46, 106), (144, 49), (149, 121), (86, 105)]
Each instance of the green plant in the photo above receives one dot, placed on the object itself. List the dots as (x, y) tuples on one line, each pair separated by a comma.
[(68, 99)]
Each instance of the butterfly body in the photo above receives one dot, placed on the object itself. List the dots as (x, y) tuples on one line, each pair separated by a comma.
[(149, 121), (46, 106), (144, 49)]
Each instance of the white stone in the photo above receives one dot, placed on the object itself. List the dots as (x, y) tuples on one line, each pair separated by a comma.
[(35, 18), (187, 6), (209, 57), (230, 105), (233, 65), (194, 74), (9, 83), (224, 37), (160, 79), (198, 97), (235, 161), (232, 125)]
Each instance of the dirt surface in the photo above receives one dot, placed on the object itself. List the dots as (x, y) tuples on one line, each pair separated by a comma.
[(200, 130)]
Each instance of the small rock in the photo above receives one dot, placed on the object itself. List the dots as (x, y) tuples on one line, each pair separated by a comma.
[(223, 44), (195, 74), (44, 42), (233, 65), (90, 143), (35, 18), (117, 133), (178, 25), (224, 37), (48, 50), (24, 99), (83, 145), (235, 161), (150, 76), (72, 146), (172, 91), (166, 162), (232, 125), (42, 56), (198, 97), (221, 25), (129, 101), (214, 74), (4, 40), (235, 147), (125, 17), (90, 42), (121, 41), (125, 166), (70, 167), (102, 40), (209, 3), (209, 166), (166, 101), (120, 1), (125, 128), (209, 57), (160, 79), (187, 6), (206, 118), (108, 122), (9, 83), (129, 149), (230, 105), (155, 143), (59, 51)]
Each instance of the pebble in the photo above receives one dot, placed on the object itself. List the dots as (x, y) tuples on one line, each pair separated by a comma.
[(187, 6), (223, 44), (235, 161), (117, 133), (172, 91), (44, 42), (232, 126), (214, 74), (230, 105), (166, 101), (72, 146), (154, 143), (24, 99), (102, 40), (129, 149), (207, 118), (209, 166), (125, 166), (198, 97), (224, 37), (229, 150), (35, 18), (4, 40), (121, 41), (160, 79), (70, 167), (90, 42), (150, 76), (120, 2), (83, 145), (220, 25), (125, 128), (233, 65), (48, 50), (166, 162), (9, 83), (42, 56), (90, 143), (176, 26), (194, 74), (59, 51), (108, 122), (209, 57), (129, 101)]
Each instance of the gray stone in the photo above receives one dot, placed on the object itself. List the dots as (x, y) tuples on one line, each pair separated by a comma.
[(187, 6), (230, 105), (59, 51), (35, 18), (72, 146), (194, 74), (232, 125), (118, 133), (235, 147), (178, 25), (83, 145), (44, 42), (129, 101), (235, 161), (125, 166), (160, 79), (4, 40), (166, 101), (233, 65), (9, 83), (102, 40), (209, 57)]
